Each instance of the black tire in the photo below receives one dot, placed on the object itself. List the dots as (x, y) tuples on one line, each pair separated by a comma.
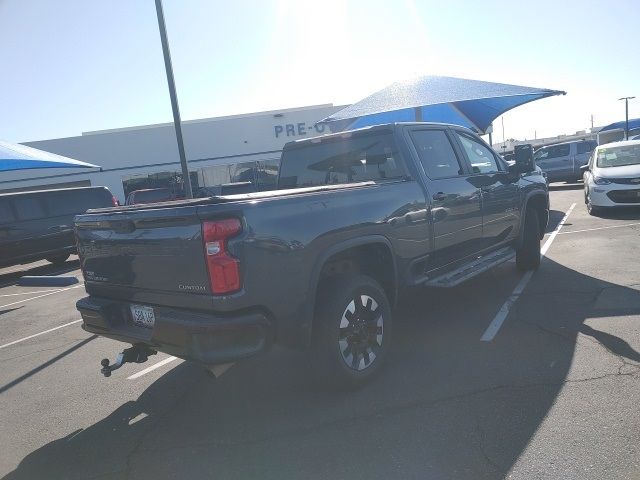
[(59, 259), (350, 334), (528, 255)]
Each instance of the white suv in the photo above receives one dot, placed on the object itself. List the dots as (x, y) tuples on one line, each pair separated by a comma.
[(612, 176)]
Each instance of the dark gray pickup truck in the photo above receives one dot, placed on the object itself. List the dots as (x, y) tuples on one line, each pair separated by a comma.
[(318, 263)]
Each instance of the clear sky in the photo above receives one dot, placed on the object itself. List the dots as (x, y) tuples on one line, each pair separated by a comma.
[(69, 66)]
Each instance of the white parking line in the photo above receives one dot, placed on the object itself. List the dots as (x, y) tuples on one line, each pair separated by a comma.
[(152, 368), (40, 296), (38, 334), (599, 228), (502, 314)]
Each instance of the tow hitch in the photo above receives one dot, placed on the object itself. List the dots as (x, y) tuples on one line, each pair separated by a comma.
[(135, 354)]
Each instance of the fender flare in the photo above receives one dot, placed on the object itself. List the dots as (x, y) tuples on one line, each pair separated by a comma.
[(330, 252), (525, 204)]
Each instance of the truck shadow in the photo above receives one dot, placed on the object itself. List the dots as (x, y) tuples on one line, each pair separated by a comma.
[(14, 273), (446, 406), (565, 186), (555, 217)]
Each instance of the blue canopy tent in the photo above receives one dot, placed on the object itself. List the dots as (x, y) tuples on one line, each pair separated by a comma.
[(20, 157), (614, 132), (634, 123), (470, 103)]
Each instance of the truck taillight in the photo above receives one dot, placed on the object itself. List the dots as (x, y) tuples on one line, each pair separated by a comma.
[(115, 202), (224, 270)]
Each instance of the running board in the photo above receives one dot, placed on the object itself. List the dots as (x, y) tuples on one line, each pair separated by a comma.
[(470, 270)]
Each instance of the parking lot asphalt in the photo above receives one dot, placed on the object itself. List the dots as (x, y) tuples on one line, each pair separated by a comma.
[(554, 393)]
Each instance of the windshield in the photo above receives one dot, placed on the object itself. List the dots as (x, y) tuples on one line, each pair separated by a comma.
[(618, 156), (343, 160)]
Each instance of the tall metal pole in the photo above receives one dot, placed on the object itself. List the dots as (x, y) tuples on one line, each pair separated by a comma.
[(186, 179), (626, 111)]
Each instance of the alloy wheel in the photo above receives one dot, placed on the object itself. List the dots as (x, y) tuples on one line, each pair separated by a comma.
[(361, 332)]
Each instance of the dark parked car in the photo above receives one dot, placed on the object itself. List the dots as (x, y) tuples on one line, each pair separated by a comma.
[(319, 263), (150, 195), (39, 224)]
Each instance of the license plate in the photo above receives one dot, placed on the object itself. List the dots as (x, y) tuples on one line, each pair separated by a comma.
[(143, 316)]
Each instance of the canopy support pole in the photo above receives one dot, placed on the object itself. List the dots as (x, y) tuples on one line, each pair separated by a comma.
[(418, 113), (177, 124)]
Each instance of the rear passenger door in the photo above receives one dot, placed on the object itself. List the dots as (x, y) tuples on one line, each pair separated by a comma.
[(7, 231), (455, 202), (32, 226), (61, 207), (499, 190), (556, 161)]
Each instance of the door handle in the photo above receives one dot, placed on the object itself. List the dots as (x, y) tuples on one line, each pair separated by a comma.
[(440, 196)]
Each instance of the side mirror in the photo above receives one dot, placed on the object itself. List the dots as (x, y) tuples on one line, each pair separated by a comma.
[(523, 155), (584, 168)]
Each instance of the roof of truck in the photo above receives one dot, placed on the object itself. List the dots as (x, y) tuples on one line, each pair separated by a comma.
[(372, 128)]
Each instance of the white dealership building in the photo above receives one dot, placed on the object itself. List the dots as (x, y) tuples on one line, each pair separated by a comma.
[(219, 150)]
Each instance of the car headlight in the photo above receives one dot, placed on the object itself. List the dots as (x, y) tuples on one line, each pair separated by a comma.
[(601, 181)]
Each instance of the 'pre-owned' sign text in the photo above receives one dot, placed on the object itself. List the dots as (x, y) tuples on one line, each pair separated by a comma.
[(296, 129)]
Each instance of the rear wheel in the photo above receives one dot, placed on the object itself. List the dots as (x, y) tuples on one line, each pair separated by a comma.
[(59, 259), (351, 331), (528, 255)]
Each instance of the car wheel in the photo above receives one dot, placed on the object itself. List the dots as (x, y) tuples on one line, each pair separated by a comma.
[(58, 259), (351, 331), (528, 255)]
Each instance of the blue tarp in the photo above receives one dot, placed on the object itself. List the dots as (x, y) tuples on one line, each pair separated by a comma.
[(14, 156), (633, 124), (470, 103)]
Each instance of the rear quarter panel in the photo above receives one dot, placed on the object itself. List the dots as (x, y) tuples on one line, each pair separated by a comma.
[(285, 238)]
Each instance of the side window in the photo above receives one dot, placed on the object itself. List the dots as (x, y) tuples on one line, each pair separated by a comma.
[(436, 154), (361, 158), (6, 213), (541, 154), (564, 150), (586, 147), (28, 208), (480, 157), (61, 203), (73, 202), (92, 199), (556, 151)]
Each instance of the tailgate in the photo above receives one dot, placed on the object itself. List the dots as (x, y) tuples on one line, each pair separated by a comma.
[(150, 249)]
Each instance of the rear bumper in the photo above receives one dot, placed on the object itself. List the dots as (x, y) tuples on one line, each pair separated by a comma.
[(195, 336)]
